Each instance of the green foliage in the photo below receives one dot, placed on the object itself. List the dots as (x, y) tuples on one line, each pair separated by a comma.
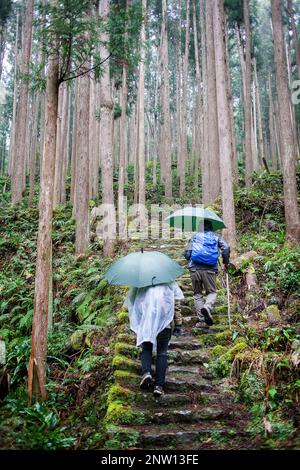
[(283, 269), (34, 427), (70, 26)]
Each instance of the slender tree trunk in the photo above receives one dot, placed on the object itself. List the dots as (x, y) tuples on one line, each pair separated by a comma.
[(232, 124), (224, 125), (33, 149), (183, 156), (166, 104), (59, 156), (106, 143), (204, 145), (213, 183), (37, 361), (15, 98), (74, 145), (199, 110), (259, 118), (247, 98), (2, 47), (254, 129), (82, 236), (295, 35), (273, 151), (65, 142), (286, 129), (18, 169), (141, 128)]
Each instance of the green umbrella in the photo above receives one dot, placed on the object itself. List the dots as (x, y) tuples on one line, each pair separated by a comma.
[(142, 269), (189, 218)]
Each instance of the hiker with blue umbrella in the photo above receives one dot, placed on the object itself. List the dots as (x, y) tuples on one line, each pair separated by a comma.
[(202, 254), (151, 306)]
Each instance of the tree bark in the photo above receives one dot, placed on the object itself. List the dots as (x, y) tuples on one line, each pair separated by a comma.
[(82, 235), (183, 156), (273, 150), (286, 129), (199, 110), (259, 118), (166, 104), (33, 149), (295, 35), (213, 184), (247, 98), (224, 125), (106, 143), (18, 169), (37, 361), (15, 99), (141, 111)]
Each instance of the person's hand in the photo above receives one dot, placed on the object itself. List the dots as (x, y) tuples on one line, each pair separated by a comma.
[(177, 331)]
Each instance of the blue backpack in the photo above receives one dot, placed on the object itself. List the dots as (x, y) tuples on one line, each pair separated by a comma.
[(205, 248)]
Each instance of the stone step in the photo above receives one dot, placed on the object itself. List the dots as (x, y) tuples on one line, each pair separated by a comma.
[(175, 381), (167, 400), (183, 383), (184, 342), (186, 435), (189, 414), (188, 357)]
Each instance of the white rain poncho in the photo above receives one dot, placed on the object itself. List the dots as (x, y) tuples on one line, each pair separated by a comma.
[(151, 309)]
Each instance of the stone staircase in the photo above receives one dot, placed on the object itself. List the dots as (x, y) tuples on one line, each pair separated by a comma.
[(197, 411)]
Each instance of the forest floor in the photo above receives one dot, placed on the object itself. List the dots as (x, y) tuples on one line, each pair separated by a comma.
[(225, 388)]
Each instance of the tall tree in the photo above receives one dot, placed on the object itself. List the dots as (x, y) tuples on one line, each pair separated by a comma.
[(273, 150), (18, 169), (247, 97), (166, 103), (199, 112), (141, 114), (295, 34), (37, 361), (212, 186), (5, 9), (183, 147), (82, 235), (224, 125), (286, 128), (106, 139)]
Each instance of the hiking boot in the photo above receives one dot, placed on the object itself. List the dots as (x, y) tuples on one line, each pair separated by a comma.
[(146, 381), (207, 316), (158, 391)]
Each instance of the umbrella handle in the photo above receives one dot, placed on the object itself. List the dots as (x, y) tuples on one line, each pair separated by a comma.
[(152, 280)]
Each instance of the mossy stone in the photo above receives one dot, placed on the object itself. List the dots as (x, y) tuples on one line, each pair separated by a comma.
[(125, 363), (118, 413), (77, 340), (239, 347), (127, 350), (119, 393), (218, 351), (273, 313), (122, 317), (124, 377)]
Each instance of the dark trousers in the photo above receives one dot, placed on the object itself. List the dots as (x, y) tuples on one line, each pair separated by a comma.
[(161, 356)]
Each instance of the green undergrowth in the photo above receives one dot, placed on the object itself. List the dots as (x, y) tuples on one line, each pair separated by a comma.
[(83, 319), (92, 362)]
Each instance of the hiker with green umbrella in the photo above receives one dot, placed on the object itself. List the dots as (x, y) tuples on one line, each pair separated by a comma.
[(151, 306), (202, 254)]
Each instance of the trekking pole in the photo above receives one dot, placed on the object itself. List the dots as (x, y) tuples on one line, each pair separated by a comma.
[(228, 299)]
